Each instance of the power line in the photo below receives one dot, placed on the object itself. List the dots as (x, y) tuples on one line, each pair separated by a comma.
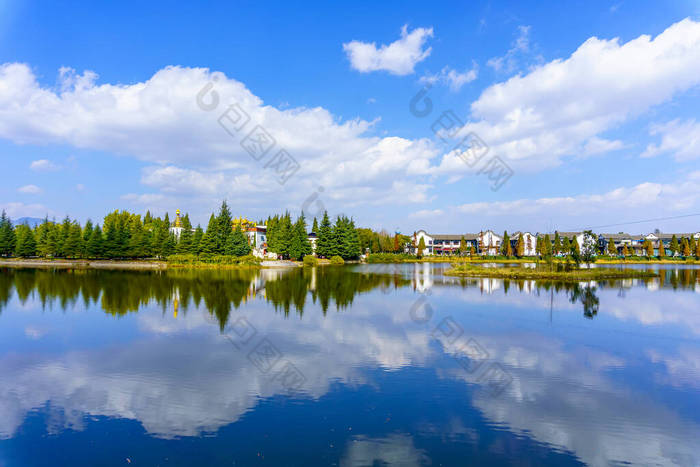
[(641, 221)]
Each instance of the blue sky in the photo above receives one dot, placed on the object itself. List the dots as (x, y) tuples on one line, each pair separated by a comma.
[(591, 105)]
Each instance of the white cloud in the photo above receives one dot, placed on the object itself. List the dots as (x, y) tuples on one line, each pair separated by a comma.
[(43, 165), (681, 139), (558, 108), (18, 209), (159, 121), (454, 79), (30, 190), (399, 58), (509, 62), (80, 187)]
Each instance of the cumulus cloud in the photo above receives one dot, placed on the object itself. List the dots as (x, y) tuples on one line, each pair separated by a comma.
[(520, 47), (43, 165), (678, 138), (399, 58), (559, 108), (30, 190), (452, 78), (159, 121)]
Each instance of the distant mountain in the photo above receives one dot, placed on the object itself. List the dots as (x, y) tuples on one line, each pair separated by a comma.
[(30, 221)]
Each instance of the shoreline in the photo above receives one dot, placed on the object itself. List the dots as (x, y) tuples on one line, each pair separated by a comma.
[(576, 275)]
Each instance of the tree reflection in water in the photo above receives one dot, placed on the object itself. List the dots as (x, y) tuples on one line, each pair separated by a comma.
[(220, 291)]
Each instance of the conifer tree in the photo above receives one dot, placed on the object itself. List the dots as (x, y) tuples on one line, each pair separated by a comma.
[(566, 245), (625, 251), (575, 248), (196, 240), (506, 249), (208, 242), (520, 246), (237, 243), (472, 251), (648, 247), (73, 246), (691, 243), (612, 250), (421, 246), (314, 227), (675, 247), (547, 245), (25, 242), (662, 249), (94, 245), (557, 248), (324, 238), (697, 250), (685, 247), (7, 235), (462, 246), (224, 227), (87, 232)]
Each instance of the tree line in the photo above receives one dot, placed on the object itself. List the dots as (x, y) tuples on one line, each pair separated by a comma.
[(125, 235)]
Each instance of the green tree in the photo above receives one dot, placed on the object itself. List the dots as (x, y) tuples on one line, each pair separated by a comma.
[(314, 227), (224, 227), (506, 249), (520, 246), (73, 244), (95, 247), (685, 247), (547, 246), (26, 243), (575, 248), (7, 235), (566, 246), (691, 243), (463, 246), (196, 240), (208, 242), (612, 249), (421, 246), (324, 241), (675, 247), (237, 243), (557, 248)]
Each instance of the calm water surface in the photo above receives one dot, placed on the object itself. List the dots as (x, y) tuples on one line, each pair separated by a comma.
[(356, 365)]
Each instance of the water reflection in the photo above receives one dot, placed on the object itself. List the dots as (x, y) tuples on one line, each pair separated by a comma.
[(81, 348)]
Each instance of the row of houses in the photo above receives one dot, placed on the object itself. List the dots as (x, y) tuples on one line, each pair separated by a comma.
[(489, 243)]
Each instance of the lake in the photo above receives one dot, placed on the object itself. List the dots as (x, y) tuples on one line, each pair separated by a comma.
[(354, 366)]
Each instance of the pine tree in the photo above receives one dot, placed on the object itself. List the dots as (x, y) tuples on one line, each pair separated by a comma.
[(675, 247), (557, 243), (421, 246), (87, 233), (26, 243), (566, 245), (462, 246), (324, 238), (196, 240), (520, 246), (95, 247), (547, 245), (648, 247), (7, 235), (685, 247), (612, 250), (237, 243), (506, 249), (625, 251), (168, 245), (208, 242), (314, 227), (692, 245), (353, 250), (575, 248), (472, 251), (224, 227), (662, 249), (73, 244)]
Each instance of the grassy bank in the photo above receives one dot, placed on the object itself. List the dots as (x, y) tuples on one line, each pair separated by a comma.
[(467, 270), (82, 264), (405, 258)]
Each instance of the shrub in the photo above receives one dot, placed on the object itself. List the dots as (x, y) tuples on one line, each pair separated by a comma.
[(337, 260), (310, 260), (207, 258), (389, 257)]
